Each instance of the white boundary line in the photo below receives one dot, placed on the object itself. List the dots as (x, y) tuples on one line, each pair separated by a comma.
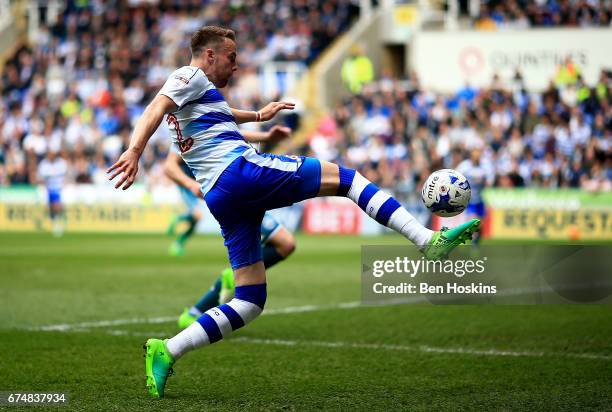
[(422, 348), (383, 346), (87, 326), (68, 327)]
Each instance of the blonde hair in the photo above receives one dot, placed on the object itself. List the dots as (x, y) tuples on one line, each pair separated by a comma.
[(209, 36)]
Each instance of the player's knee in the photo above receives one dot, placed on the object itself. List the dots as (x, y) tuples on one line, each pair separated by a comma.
[(284, 242), (287, 248)]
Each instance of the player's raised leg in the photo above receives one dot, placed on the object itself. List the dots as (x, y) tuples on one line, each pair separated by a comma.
[(340, 181)]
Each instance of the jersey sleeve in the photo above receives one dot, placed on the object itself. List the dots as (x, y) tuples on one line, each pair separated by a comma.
[(184, 85)]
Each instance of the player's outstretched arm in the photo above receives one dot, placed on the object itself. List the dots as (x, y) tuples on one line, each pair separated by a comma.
[(145, 127), (275, 134), (265, 114), (176, 174)]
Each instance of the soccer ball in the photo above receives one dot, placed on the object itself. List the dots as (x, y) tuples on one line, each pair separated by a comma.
[(446, 192)]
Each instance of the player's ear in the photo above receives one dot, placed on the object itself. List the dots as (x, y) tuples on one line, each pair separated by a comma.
[(210, 55)]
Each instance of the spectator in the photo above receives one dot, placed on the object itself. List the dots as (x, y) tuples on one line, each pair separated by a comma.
[(567, 73), (357, 70)]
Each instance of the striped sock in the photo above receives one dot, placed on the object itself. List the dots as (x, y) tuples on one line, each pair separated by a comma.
[(218, 322), (382, 207)]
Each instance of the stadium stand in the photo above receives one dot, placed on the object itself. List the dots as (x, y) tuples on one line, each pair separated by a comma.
[(79, 87), (515, 14), (81, 84), (396, 132)]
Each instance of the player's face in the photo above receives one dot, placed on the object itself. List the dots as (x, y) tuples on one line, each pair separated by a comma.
[(225, 63)]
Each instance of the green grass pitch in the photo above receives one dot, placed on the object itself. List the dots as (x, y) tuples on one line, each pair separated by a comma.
[(333, 355)]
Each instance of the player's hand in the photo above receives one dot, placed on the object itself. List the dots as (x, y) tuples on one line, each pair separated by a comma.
[(278, 133), (195, 189), (128, 165), (271, 109)]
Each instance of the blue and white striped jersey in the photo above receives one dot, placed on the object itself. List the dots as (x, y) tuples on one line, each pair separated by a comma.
[(202, 128), (53, 173), (477, 175)]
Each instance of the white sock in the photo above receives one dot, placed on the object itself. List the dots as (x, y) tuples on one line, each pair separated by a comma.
[(217, 323), (190, 338), (403, 222), (382, 207)]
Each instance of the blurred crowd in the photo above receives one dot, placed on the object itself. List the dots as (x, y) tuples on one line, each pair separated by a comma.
[(79, 88), (519, 14), (396, 133)]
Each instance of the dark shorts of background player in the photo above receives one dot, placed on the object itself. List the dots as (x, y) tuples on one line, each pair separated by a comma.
[(252, 184)]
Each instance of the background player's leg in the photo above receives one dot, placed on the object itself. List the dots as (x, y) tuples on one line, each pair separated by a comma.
[(56, 212), (192, 216), (339, 181), (177, 248), (192, 220), (210, 299), (279, 246), (183, 217)]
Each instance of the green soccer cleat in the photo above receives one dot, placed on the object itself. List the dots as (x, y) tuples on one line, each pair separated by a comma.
[(444, 241), (186, 319), (227, 286), (158, 366), (176, 249)]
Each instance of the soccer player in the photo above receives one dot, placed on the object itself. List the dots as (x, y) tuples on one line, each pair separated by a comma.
[(52, 171), (476, 174), (276, 241), (240, 185)]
